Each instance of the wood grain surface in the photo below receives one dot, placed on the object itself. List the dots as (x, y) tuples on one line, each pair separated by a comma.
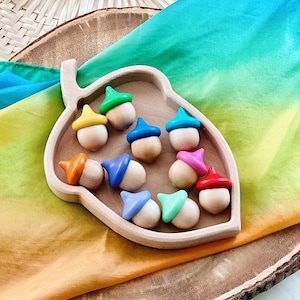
[(239, 273)]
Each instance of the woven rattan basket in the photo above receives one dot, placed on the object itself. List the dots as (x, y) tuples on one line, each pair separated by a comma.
[(23, 21)]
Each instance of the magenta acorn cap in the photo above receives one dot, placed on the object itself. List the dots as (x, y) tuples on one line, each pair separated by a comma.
[(194, 160)]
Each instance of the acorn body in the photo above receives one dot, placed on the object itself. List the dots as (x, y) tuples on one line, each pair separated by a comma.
[(146, 149), (134, 177), (92, 138), (91, 131), (178, 209), (125, 173), (214, 195), (214, 200), (184, 172), (83, 171), (184, 139), (144, 141), (140, 208), (183, 131), (118, 109)]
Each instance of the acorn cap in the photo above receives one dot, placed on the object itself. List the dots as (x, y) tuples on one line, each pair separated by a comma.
[(74, 167), (142, 130), (133, 203), (88, 118), (116, 169), (212, 180), (194, 160), (182, 120), (171, 204), (113, 99)]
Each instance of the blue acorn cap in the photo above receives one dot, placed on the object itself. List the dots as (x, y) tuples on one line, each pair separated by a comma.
[(142, 130), (133, 203), (116, 169), (182, 120)]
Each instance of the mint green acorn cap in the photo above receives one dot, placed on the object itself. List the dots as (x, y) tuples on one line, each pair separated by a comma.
[(112, 99), (171, 204)]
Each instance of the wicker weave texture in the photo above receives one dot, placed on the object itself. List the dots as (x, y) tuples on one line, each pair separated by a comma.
[(23, 21)]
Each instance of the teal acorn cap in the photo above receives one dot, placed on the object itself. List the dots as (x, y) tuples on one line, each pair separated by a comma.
[(113, 99), (142, 130), (171, 204), (182, 120), (116, 169), (133, 203)]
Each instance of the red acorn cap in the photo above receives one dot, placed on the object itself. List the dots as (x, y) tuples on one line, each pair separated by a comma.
[(212, 180)]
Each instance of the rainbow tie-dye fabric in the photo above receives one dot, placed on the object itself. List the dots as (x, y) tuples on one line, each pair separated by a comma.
[(239, 64)]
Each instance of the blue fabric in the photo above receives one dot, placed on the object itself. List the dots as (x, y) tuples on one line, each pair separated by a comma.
[(19, 81)]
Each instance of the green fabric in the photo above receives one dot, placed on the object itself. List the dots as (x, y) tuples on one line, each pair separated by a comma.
[(236, 62), (33, 73)]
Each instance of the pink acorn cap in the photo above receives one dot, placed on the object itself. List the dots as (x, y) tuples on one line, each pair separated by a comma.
[(194, 160)]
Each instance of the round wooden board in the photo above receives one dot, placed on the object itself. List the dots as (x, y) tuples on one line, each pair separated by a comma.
[(238, 273)]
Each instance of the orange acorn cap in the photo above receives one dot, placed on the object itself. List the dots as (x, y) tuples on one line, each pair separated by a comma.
[(74, 167)]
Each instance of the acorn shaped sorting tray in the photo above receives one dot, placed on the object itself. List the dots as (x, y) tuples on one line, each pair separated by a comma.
[(154, 101)]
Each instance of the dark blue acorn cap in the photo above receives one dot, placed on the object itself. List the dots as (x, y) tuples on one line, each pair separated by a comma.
[(142, 130)]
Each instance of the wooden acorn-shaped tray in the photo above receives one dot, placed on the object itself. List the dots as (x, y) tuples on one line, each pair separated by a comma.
[(154, 101)]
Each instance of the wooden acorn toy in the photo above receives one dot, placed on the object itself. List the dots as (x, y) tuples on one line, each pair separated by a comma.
[(118, 109), (213, 189), (183, 131), (125, 173), (83, 171), (91, 130), (185, 171), (178, 209), (144, 141), (141, 209)]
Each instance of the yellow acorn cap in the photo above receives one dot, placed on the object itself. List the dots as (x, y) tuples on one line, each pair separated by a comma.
[(88, 118)]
